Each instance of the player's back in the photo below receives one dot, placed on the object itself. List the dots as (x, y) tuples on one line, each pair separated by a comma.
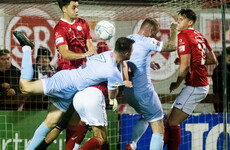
[(196, 45), (98, 68), (140, 60)]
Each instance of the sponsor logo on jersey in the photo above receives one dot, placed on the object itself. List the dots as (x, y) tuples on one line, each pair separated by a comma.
[(155, 42), (181, 48), (59, 40)]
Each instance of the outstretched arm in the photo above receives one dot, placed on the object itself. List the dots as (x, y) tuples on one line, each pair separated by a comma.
[(125, 70), (171, 44), (90, 47), (69, 55)]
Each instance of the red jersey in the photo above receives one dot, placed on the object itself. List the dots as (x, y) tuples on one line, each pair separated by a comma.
[(192, 42), (102, 47), (74, 35)]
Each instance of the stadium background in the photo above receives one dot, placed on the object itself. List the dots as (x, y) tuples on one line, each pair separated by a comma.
[(201, 131)]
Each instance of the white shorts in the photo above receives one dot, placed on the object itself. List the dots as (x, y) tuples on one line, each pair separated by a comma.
[(90, 105), (189, 97)]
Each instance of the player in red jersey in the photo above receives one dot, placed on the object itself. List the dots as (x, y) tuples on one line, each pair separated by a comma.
[(74, 42), (194, 53), (72, 37)]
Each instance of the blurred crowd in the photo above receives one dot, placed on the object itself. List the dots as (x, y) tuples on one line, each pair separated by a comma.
[(12, 99), (10, 96)]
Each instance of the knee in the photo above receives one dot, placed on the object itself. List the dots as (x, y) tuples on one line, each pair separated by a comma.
[(171, 122), (23, 86), (101, 140), (50, 122)]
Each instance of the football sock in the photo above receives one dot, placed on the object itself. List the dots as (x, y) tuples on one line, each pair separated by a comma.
[(39, 136), (166, 134), (156, 142), (94, 143), (26, 66), (139, 129), (174, 137), (75, 134)]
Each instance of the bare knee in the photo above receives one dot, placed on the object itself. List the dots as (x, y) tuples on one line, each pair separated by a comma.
[(50, 123), (23, 85), (52, 118), (172, 122), (100, 132), (157, 127)]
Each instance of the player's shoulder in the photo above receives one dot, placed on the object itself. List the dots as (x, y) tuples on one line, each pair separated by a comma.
[(186, 34), (139, 38), (80, 20), (108, 54), (60, 25)]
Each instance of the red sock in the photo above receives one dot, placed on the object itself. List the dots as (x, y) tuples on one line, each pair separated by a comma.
[(174, 137), (166, 133), (75, 134), (94, 143)]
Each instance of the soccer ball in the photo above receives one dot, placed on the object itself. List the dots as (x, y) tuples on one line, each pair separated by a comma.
[(105, 30)]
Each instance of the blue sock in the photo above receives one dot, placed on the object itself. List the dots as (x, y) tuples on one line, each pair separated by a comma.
[(139, 129), (156, 142), (39, 136), (27, 68)]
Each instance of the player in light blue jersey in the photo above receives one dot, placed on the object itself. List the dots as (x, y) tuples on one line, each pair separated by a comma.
[(62, 86), (142, 97)]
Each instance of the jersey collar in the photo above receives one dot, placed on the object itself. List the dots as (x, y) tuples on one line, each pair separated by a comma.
[(68, 21)]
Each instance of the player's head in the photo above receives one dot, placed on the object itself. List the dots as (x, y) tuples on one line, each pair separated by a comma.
[(69, 8), (186, 19), (151, 26), (5, 60), (124, 48)]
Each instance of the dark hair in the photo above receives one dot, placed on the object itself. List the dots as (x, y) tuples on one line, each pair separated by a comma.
[(4, 52), (188, 13), (43, 51), (62, 3), (123, 44), (150, 21)]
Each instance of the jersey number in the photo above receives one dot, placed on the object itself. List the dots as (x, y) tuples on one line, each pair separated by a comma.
[(202, 47), (99, 57)]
